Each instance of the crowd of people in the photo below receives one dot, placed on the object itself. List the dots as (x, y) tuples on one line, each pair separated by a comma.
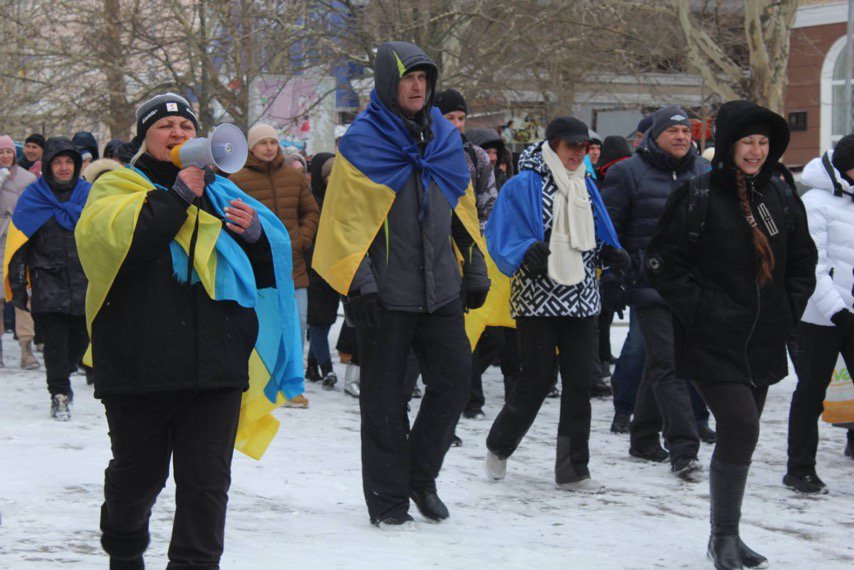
[(178, 278)]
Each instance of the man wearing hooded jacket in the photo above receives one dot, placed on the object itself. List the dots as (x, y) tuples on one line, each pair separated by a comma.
[(49, 258), (635, 192), (407, 292)]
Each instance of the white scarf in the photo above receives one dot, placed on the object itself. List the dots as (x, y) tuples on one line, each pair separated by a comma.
[(573, 229)]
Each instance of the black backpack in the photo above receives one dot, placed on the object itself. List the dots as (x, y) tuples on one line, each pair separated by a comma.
[(698, 206)]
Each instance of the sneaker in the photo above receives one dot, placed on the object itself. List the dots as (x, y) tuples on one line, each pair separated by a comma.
[(808, 484), (395, 522), (456, 441), (297, 402), (476, 414), (329, 380), (650, 453), (687, 469), (554, 392), (587, 485), (706, 433), (60, 408), (416, 393), (621, 423), (496, 468)]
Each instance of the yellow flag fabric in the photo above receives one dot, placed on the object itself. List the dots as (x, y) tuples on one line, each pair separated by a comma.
[(495, 312), (15, 240)]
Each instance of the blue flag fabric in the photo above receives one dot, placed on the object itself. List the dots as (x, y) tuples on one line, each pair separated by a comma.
[(380, 146), (38, 204), (516, 222)]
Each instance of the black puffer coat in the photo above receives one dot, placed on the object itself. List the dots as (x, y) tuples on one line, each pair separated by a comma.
[(635, 192), (727, 328), (322, 299)]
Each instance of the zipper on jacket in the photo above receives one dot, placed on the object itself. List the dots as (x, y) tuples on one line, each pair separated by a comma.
[(674, 175), (752, 329)]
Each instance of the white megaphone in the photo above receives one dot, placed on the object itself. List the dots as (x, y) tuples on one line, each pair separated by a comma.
[(226, 149)]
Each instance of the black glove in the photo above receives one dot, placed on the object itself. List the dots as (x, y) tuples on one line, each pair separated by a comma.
[(844, 319), (20, 300), (537, 258), (363, 310), (617, 260), (613, 297), (475, 299)]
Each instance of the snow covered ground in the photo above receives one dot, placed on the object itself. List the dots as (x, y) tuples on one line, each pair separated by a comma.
[(301, 505)]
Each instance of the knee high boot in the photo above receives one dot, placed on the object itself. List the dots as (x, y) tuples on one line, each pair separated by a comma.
[(726, 490)]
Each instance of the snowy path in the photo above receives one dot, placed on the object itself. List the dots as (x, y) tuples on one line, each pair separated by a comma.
[(302, 505)]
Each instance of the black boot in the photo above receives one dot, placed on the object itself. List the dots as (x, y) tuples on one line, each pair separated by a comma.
[(430, 505), (328, 375), (750, 558), (312, 374), (726, 490)]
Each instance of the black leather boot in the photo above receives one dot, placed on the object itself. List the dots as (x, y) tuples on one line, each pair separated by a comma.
[(726, 493), (751, 558), (430, 505)]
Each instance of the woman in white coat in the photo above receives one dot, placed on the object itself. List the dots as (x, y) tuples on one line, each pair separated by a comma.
[(827, 327)]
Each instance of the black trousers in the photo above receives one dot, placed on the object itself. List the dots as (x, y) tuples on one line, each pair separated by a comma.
[(197, 431), (816, 352), (606, 318), (395, 458), (662, 402), (577, 341), (737, 408), (494, 342), (65, 341)]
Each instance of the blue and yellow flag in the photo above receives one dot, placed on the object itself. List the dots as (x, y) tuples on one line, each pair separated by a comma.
[(36, 206), (104, 237), (375, 159)]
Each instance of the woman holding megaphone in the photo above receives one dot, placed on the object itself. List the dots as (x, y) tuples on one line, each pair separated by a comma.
[(175, 258)]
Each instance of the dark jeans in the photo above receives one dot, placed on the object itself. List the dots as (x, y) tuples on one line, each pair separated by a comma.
[(577, 341), (629, 369), (395, 458), (494, 342), (65, 340), (9, 316), (318, 344), (347, 342), (662, 402), (698, 405), (817, 351), (737, 409), (197, 430)]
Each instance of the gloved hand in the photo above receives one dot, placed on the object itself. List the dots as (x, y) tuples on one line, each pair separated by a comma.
[(20, 300), (844, 319), (475, 299), (617, 260), (537, 258), (363, 310), (613, 297)]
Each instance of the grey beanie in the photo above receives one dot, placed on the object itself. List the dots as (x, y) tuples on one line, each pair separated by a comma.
[(667, 117), (159, 106)]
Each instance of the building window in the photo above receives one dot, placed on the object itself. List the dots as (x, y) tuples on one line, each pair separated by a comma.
[(833, 96)]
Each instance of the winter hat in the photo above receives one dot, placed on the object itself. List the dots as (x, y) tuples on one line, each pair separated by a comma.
[(644, 124), (755, 128), (843, 155), (668, 117), (159, 106), (614, 148), (451, 100), (111, 148), (35, 138), (568, 129), (85, 154), (260, 132), (7, 142), (594, 137)]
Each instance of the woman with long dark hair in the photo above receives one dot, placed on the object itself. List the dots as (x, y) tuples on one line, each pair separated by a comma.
[(733, 258)]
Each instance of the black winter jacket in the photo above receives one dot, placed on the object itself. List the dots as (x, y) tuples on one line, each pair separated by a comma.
[(635, 192), (727, 328), (154, 334), (322, 299)]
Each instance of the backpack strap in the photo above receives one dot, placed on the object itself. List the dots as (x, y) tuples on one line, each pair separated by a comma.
[(787, 198), (469, 148), (698, 207), (828, 167)]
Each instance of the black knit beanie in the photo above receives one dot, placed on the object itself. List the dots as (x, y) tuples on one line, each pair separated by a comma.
[(843, 156), (668, 117), (159, 106), (614, 148), (450, 100), (35, 138)]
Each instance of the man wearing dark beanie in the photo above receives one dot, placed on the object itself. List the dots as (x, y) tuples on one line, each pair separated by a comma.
[(33, 151), (843, 158), (635, 192)]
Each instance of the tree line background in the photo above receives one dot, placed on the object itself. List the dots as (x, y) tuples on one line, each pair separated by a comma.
[(71, 64)]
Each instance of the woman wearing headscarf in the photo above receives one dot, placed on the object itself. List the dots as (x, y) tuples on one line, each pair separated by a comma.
[(178, 259), (546, 233), (733, 258)]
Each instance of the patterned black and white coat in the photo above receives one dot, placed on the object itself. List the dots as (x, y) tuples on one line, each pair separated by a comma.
[(540, 295)]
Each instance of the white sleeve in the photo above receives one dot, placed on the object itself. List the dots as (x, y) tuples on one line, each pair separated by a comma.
[(825, 297)]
